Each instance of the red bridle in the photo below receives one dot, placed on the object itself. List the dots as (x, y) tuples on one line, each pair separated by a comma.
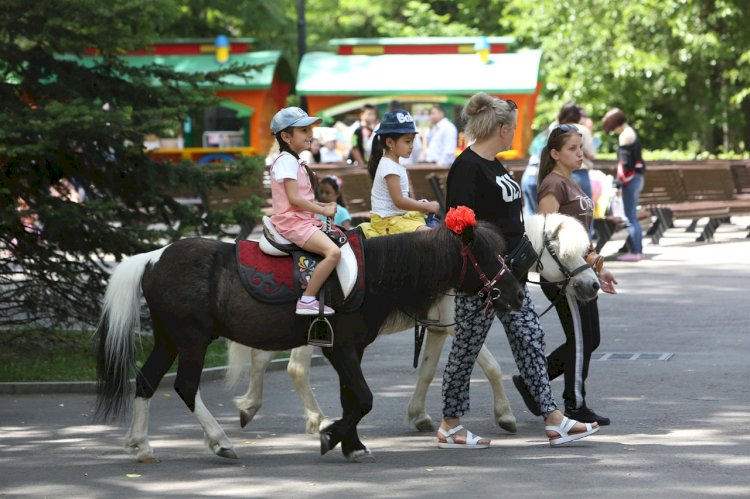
[(488, 292)]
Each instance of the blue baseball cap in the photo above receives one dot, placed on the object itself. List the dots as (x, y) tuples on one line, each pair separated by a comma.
[(398, 121), (291, 116)]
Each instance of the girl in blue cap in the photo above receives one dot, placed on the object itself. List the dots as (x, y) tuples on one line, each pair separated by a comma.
[(392, 210), (293, 199)]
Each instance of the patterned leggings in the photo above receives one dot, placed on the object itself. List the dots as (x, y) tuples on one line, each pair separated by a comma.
[(526, 338)]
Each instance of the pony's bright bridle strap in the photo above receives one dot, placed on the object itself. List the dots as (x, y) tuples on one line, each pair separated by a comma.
[(488, 292)]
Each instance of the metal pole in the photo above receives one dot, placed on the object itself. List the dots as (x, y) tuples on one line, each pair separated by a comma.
[(301, 41)]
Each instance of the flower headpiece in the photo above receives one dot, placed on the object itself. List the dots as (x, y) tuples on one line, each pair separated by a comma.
[(457, 219)]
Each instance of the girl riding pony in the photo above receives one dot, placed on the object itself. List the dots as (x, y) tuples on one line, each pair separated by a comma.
[(293, 198), (393, 211)]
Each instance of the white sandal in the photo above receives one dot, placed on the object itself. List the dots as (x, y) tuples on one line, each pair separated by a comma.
[(472, 441), (562, 430)]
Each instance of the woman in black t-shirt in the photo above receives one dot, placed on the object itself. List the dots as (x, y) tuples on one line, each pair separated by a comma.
[(481, 182)]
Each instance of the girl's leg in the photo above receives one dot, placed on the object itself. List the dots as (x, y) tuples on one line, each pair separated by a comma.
[(564, 354), (571, 358), (630, 196), (322, 245)]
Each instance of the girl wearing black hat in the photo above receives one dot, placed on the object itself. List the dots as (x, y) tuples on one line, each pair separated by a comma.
[(392, 209)]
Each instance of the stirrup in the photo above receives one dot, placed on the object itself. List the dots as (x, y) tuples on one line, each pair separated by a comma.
[(320, 333)]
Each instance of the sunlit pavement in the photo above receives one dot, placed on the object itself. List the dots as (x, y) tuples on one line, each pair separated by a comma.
[(678, 426)]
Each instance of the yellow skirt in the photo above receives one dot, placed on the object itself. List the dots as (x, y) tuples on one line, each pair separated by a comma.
[(378, 226)]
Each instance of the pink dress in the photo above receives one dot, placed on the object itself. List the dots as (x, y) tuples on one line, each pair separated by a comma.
[(295, 225)]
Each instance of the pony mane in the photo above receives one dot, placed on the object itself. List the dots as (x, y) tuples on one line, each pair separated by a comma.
[(573, 238), (415, 268)]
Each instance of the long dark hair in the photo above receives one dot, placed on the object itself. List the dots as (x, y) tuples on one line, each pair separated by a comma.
[(556, 140), (334, 183), (284, 147), (378, 145)]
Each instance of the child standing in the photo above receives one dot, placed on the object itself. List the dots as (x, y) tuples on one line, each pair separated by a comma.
[(294, 205), (329, 191), (393, 211), (558, 192)]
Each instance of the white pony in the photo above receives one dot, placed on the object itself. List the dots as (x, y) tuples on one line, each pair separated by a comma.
[(563, 235)]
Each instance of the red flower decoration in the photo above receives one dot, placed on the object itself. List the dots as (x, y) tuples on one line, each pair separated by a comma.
[(457, 219)]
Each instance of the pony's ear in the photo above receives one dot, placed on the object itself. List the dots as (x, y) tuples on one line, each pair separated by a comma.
[(468, 235)]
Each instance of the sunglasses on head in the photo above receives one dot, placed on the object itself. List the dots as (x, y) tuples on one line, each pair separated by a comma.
[(565, 128), (511, 104)]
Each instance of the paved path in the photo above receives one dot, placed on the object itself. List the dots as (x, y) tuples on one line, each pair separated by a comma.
[(679, 426)]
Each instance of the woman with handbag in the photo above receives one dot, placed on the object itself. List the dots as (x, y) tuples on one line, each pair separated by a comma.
[(481, 182), (558, 192)]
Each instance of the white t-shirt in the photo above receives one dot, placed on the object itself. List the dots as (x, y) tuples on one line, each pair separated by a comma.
[(442, 141), (382, 204), (330, 155), (285, 167)]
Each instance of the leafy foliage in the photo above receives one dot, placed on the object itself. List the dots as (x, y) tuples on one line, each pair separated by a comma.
[(670, 65), (680, 69), (64, 126)]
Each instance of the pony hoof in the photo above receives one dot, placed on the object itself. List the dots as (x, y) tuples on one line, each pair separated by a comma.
[(245, 418), (425, 424), (325, 443), (361, 456), (227, 453), (148, 459), (509, 426)]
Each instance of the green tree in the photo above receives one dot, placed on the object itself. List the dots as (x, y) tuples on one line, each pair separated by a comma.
[(670, 64), (65, 125)]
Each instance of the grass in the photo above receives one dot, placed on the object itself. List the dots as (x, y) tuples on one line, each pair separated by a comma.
[(45, 355)]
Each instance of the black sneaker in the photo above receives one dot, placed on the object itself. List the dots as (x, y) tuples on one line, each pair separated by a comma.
[(586, 415), (531, 404)]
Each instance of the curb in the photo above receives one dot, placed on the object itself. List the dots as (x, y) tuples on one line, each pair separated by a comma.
[(209, 374)]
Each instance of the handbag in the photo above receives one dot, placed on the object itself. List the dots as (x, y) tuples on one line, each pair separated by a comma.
[(522, 258)]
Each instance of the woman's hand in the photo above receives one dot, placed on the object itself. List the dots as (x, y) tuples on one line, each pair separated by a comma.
[(607, 281)]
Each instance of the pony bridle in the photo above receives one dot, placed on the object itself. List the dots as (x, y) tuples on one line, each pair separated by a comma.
[(568, 274), (489, 293)]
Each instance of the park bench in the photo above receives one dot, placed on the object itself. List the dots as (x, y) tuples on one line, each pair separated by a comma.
[(691, 192), (741, 178)]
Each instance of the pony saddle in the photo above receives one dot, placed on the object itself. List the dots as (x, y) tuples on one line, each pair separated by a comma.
[(270, 275), (274, 244)]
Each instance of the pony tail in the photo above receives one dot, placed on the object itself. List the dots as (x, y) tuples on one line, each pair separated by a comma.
[(546, 164), (375, 156)]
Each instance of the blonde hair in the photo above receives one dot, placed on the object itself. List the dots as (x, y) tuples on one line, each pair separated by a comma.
[(483, 114)]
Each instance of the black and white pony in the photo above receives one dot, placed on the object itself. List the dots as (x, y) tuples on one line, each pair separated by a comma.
[(194, 295), (561, 243)]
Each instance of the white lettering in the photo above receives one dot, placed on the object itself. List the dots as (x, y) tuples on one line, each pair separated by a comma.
[(510, 188), (585, 203), (404, 118)]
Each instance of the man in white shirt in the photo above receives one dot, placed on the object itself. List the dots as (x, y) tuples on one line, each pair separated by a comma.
[(442, 138)]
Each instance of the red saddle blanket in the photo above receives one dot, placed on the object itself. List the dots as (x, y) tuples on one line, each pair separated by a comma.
[(282, 279)]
